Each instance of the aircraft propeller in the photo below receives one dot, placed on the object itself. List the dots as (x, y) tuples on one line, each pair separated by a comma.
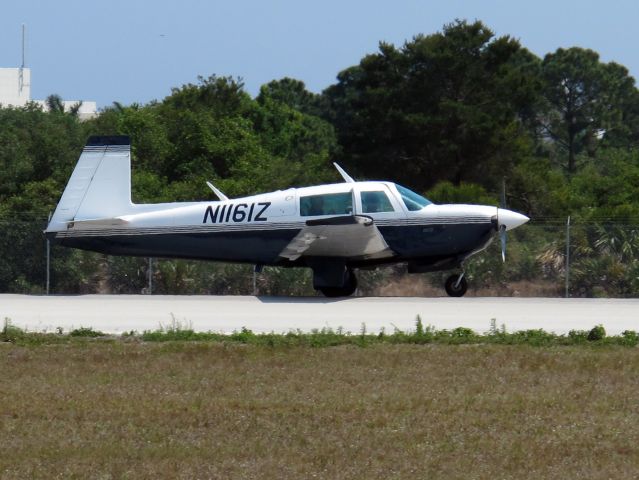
[(507, 220)]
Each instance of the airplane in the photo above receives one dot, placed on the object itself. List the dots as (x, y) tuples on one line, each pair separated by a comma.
[(332, 229)]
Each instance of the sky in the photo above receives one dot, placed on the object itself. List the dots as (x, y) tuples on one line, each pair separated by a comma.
[(134, 51)]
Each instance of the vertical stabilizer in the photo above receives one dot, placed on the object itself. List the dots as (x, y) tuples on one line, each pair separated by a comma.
[(100, 186)]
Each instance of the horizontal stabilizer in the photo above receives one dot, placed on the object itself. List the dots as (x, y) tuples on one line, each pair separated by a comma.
[(108, 140), (96, 222)]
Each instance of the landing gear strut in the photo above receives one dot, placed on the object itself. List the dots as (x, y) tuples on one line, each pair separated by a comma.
[(456, 285)]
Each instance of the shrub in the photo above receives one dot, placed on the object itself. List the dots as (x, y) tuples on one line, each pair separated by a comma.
[(244, 336), (10, 333), (630, 337), (462, 332), (419, 327), (578, 336), (536, 337), (86, 332), (597, 333)]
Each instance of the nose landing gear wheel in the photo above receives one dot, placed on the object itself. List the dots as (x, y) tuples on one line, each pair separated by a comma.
[(456, 286)]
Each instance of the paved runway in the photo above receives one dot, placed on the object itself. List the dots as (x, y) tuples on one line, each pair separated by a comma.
[(121, 313)]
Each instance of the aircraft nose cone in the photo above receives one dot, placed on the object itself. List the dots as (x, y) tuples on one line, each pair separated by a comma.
[(510, 219)]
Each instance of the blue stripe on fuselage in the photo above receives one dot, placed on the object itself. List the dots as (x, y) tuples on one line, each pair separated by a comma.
[(264, 245), (254, 246)]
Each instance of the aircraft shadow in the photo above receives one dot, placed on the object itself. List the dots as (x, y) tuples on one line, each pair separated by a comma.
[(303, 300)]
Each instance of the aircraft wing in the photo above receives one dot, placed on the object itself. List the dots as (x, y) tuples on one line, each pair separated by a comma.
[(354, 236)]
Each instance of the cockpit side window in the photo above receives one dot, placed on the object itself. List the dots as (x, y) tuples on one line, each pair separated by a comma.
[(375, 202), (326, 204)]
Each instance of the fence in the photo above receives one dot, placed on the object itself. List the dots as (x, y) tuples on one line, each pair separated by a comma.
[(547, 257)]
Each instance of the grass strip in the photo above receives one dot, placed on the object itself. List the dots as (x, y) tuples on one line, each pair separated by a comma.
[(326, 337), (105, 408)]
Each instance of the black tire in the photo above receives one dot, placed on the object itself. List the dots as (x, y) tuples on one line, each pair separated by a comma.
[(346, 291), (450, 286)]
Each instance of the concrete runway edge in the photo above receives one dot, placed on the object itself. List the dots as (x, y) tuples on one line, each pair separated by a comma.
[(225, 314)]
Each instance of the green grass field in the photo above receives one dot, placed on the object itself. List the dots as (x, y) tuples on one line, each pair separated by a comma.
[(125, 408)]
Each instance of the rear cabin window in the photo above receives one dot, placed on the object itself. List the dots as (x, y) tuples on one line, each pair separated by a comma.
[(327, 204), (375, 202)]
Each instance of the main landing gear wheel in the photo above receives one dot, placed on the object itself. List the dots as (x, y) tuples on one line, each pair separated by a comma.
[(456, 285), (345, 291)]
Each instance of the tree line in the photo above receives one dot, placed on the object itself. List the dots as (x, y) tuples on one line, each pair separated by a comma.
[(449, 114)]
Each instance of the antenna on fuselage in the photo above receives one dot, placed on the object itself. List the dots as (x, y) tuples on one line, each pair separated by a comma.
[(347, 178), (217, 192)]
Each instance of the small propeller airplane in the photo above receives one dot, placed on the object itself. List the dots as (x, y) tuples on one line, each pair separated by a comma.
[(332, 229)]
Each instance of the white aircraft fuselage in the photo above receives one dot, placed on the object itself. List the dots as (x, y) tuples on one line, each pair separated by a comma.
[(329, 228)]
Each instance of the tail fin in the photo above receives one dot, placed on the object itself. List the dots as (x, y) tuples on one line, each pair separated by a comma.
[(100, 186)]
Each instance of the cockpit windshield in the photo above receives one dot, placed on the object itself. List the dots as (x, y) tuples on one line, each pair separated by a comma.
[(412, 200)]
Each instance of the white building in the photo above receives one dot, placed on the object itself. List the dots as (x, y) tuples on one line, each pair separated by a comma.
[(15, 91), (15, 86)]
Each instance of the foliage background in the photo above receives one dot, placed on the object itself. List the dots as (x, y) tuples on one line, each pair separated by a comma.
[(449, 114)]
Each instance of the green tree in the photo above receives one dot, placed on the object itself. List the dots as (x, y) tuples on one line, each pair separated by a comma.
[(585, 102), (291, 92), (54, 104), (448, 106), (208, 127), (446, 192)]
